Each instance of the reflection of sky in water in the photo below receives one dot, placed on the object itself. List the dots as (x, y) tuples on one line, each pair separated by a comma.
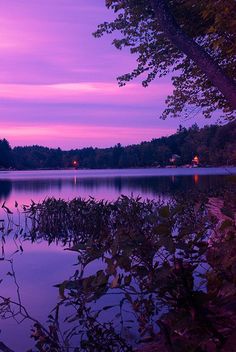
[(37, 270), (42, 266), (105, 184)]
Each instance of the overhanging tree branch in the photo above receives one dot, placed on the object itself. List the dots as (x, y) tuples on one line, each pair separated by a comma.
[(194, 51)]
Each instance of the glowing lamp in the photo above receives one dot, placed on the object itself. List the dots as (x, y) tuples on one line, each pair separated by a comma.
[(75, 163)]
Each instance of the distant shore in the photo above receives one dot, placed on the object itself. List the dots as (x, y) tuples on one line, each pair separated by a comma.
[(125, 168)]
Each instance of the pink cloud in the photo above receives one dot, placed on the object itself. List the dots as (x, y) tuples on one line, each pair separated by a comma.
[(84, 92), (67, 136), (58, 83)]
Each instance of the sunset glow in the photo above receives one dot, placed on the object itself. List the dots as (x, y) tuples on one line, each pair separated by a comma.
[(66, 136), (55, 73)]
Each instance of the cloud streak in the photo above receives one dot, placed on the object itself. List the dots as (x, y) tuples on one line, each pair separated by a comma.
[(84, 92), (58, 83), (68, 136)]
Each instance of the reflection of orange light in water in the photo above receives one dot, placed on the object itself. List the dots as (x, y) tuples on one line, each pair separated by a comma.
[(196, 179)]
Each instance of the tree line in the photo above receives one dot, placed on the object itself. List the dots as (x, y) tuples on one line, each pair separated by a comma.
[(214, 145)]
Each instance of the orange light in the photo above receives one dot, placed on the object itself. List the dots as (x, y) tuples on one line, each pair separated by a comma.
[(196, 179)]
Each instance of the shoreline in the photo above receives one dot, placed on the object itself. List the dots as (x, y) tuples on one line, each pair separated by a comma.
[(130, 168)]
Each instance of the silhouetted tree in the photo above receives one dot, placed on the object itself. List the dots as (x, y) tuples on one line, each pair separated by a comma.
[(192, 39), (5, 154), (215, 145)]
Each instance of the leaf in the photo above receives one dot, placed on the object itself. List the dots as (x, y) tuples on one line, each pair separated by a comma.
[(127, 280), (115, 282), (226, 224), (7, 209), (101, 278), (62, 288), (164, 211), (107, 307), (76, 248)]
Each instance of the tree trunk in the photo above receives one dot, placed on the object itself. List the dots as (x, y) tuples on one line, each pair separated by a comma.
[(194, 51)]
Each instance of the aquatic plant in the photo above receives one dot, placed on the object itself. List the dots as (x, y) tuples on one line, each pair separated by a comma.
[(170, 269)]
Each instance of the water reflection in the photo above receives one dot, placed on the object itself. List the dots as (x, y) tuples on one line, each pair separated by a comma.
[(161, 272), (23, 188), (5, 189)]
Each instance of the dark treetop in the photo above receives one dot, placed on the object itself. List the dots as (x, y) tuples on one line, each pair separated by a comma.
[(214, 145)]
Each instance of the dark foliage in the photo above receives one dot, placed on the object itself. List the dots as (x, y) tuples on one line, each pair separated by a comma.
[(215, 146), (193, 41), (6, 157), (170, 266)]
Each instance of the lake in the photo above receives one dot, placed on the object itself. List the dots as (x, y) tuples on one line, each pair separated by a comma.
[(106, 184), (40, 266)]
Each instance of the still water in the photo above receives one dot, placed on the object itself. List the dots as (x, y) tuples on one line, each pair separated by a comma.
[(106, 184), (41, 266)]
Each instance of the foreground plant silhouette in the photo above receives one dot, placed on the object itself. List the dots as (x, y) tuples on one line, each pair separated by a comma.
[(170, 267)]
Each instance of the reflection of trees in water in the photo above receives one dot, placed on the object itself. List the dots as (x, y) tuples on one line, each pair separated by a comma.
[(171, 184), (37, 186), (143, 185), (5, 189)]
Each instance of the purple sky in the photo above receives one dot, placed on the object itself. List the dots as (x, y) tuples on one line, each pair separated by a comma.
[(58, 83)]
